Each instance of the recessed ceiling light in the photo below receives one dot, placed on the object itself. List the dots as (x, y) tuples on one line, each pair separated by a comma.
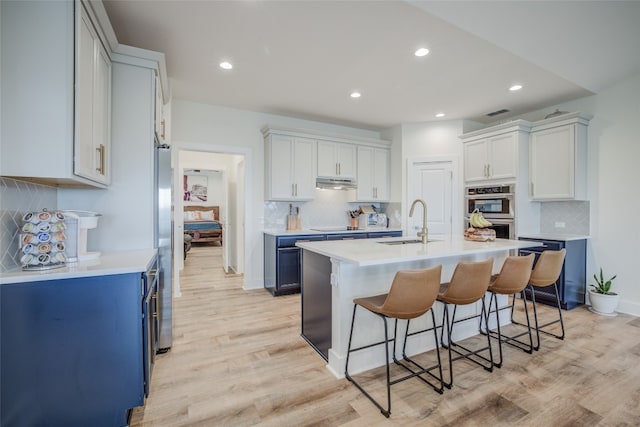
[(226, 65), (421, 52), (515, 88), (440, 115), (355, 94)]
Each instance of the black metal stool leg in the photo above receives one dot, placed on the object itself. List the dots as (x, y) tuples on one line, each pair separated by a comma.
[(421, 369), (513, 340), (384, 411)]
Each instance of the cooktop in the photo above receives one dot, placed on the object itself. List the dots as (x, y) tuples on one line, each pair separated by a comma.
[(345, 228)]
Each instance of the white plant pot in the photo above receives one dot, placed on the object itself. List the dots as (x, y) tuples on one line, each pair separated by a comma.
[(603, 304)]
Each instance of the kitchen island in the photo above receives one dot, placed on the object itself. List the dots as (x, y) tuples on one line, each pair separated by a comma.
[(334, 273)]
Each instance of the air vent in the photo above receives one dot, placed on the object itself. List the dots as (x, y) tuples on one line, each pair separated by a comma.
[(495, 113)]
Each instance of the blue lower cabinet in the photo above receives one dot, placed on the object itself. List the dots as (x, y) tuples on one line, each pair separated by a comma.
[(572, 283), (71, 351), (378, 234), (282, 269)]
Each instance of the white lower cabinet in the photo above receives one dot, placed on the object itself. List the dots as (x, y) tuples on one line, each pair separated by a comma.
[(558, 158), (372, 174), (55, 119), (290, 165)]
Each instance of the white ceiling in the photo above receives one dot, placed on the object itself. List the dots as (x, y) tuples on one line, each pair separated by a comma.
[(303, 58)]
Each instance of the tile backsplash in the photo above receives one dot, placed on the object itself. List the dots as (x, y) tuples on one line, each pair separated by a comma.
[(16, 198), (328, 209), (574, 215)]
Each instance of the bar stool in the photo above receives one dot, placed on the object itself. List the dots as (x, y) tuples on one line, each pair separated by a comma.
[(512, 279), (412, 294), (468, 284), (545, 273)]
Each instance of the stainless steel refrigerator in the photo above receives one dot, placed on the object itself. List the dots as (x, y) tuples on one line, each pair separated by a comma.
[(163, 231)]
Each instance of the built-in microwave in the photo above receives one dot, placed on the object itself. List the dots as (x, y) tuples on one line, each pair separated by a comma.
[(493, 201)]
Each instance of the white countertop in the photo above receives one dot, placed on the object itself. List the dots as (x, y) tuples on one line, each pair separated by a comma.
[(328, 230), (365, 252), (555, 236), (107, 264)]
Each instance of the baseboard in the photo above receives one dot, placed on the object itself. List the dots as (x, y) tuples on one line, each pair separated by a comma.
[(252, 285), (628, 307)]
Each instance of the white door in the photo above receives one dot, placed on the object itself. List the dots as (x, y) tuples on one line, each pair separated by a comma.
[(226, 220), (433, 183), (240, 217)]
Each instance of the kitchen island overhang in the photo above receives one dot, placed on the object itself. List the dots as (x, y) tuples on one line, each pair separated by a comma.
[(334, 273)]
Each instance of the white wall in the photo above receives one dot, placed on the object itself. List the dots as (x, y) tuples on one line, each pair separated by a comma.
[(207, 125)]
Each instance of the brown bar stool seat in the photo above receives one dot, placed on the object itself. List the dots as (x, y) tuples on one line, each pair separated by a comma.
[(512, 279), (468, 284), (546, 272), (412, 294)]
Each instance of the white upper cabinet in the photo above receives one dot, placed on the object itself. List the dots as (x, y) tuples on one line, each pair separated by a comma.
[(558, 158), (494, 154), (160, 121), (373, 174), (336, 160), (295, 159), (290, 165), (493, 158), (92, 147), (55, 117)]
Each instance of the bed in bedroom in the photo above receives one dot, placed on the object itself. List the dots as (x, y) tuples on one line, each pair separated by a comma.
[(202, 223)]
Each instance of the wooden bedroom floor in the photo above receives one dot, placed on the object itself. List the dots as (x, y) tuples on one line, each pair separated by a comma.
[(238, 360)]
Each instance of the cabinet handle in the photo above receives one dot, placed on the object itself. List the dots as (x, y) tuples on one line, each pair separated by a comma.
[(100, 151), (532, 188), (296, 187), (155, 306), (488, 170), (163, 129), (336, 169), (339, 169)]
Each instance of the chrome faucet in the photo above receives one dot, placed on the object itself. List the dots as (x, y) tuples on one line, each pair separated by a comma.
[(422, 233)]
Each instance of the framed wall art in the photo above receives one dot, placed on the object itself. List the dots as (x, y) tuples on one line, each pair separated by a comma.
[(195, 188)]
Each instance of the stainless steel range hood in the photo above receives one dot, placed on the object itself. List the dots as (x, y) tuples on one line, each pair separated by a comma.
[(336, 183)]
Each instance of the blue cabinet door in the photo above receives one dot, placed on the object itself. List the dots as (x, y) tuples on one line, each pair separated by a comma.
[(71, 351)]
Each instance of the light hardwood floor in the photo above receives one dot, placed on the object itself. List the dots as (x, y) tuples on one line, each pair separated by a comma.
[(238, 360)]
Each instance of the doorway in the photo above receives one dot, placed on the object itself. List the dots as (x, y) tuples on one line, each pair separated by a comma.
[(434, 180), (224, 170)]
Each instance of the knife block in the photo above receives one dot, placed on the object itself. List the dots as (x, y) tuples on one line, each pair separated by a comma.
[(293, 222)]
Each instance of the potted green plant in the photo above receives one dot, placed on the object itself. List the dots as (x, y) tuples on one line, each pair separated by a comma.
[(603, 301)]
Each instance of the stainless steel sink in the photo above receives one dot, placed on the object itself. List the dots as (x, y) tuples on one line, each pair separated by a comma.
[(406, 241)]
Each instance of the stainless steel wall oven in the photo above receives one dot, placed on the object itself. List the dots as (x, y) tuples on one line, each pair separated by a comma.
[(497, 204)]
